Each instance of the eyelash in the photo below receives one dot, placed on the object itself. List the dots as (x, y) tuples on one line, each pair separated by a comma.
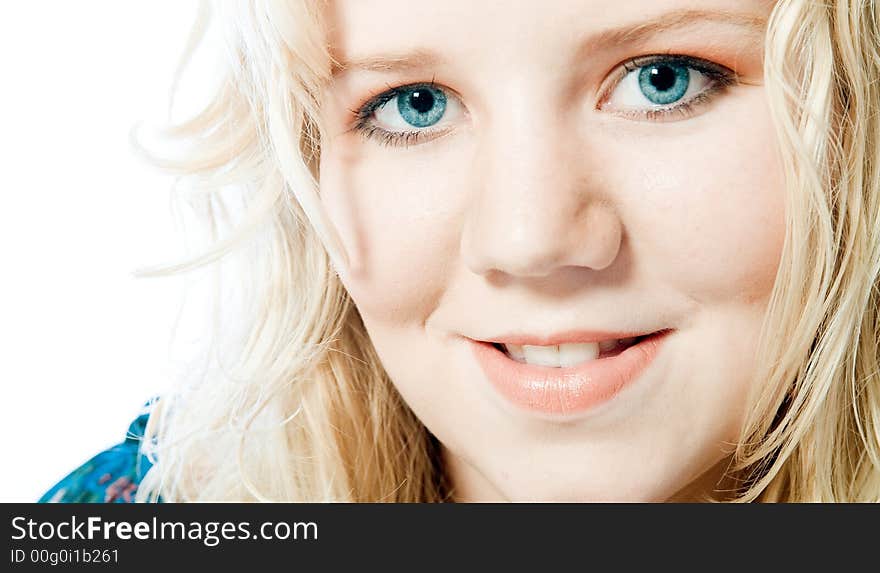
[(395, 138), (364, 114), (721, 78)]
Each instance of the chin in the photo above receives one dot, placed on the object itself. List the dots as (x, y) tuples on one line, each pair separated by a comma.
[(630, 484)]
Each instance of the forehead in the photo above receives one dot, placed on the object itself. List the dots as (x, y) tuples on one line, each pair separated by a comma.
[(359, 30)]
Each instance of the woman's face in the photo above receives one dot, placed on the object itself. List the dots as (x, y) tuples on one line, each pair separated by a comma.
[(508, 177)]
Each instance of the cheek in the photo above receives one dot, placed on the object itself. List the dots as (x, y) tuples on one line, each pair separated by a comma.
[(395, 215), (710, 219)]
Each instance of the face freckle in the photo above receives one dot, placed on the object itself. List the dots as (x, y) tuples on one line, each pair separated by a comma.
[(486, 191)]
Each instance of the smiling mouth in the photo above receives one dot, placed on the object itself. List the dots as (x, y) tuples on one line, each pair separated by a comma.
[(570, 354), (568, 380)]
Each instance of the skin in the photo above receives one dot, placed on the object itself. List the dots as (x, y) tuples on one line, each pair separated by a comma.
[(542, 207)]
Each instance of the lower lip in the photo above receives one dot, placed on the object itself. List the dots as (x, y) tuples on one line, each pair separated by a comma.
[(571, 390)]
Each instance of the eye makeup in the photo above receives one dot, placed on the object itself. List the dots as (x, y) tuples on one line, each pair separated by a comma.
[(659, 69), (364, 116), (717, 78)]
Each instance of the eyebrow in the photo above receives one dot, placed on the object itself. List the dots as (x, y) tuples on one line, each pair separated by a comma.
[(674, 21), (413, 60), (626, 34)]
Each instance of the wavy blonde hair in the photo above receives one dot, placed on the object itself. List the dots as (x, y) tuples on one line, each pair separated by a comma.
[(294, 405)]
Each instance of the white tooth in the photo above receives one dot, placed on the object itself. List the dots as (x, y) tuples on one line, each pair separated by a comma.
[(516, 352), (541, 355), (573, 354), (607, 345)]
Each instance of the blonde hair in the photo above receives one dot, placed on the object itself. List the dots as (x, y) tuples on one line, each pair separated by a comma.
[(296, 406), (814, 431)]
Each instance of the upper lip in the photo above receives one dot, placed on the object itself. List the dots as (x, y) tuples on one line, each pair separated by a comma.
[(565, 337)]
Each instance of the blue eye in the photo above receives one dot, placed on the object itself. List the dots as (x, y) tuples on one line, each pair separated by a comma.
[(409, 114), (665, 86), (664, 83), (421, 106)]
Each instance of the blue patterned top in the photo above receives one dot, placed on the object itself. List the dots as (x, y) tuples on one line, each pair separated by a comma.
[(112, 476)]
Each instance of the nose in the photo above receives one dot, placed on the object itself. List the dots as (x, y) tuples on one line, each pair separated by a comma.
[(537, 203)]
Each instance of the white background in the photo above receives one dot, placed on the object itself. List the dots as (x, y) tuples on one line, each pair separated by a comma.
[(84, 343)]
